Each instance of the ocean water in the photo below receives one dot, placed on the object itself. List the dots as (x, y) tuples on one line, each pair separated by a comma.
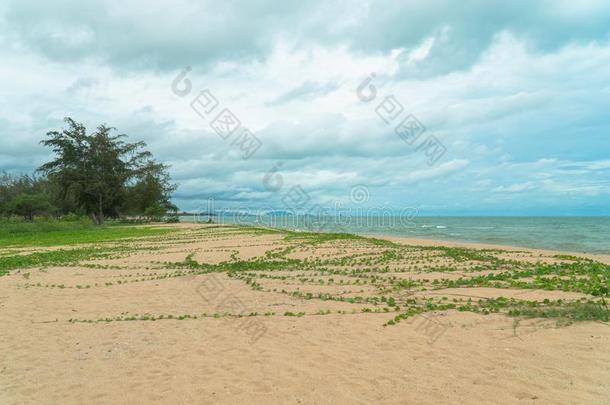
[(574, 234)]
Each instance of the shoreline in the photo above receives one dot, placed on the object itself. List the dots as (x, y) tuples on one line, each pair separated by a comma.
[(562, 234), (604, 258), (600, 257)]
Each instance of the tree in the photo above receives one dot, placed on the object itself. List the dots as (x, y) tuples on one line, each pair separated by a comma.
[(6, 186), (152, 188), (155, 211), (96, 170), (29, 205), (16, 193)]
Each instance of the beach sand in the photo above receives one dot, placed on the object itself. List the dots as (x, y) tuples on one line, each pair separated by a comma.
[(55, 349)]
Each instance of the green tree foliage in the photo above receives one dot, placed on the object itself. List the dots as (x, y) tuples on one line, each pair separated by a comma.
[(17, 192), (29, 205), (151, 192), (101, 175)]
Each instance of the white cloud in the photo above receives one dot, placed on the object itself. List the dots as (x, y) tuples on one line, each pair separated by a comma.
[(515, 188), (518, 117), (441, 170)]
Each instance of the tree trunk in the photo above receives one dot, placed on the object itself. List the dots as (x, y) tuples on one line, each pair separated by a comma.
[(100, 215)]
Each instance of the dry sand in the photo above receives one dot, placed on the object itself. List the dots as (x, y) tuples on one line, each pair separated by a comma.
[(440, 357)]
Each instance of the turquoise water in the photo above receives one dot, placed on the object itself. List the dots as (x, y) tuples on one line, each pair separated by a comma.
[(575, 234)]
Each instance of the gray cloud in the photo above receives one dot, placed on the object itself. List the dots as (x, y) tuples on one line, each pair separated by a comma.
[(81, 84), (145, 35), (307, 91), (503, 84)]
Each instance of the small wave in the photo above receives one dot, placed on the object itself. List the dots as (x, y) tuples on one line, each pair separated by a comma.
[(441, 227)]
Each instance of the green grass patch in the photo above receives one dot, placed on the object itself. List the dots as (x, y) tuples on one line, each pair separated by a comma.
[(463, 254), (52, 258), (69, 233), (573, 311)]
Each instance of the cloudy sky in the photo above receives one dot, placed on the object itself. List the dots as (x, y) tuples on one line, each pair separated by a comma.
[(516, 93)]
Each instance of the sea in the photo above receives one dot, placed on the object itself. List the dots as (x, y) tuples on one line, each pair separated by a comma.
[(571, 234)]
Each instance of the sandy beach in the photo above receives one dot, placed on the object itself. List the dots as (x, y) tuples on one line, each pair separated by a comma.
[(305, 202), (222, 314)]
